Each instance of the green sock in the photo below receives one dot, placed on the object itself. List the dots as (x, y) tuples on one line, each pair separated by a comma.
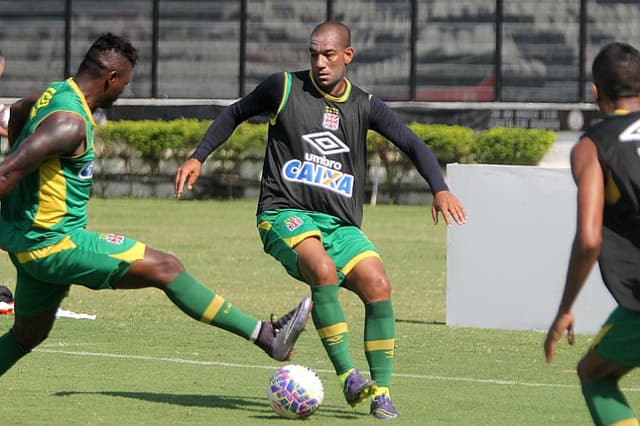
[(10, 352), (202, 304), (330, 322), (607, 404), (379, 340)]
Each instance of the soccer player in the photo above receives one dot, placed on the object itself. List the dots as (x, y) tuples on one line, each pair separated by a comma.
[(605, 164), (45, 183), (312, 194), (4, 109)]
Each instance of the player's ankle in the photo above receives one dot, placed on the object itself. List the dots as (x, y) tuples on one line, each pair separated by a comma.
[(265, 336)]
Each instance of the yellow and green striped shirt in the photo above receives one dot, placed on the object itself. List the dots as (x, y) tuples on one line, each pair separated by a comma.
[(52, 201)]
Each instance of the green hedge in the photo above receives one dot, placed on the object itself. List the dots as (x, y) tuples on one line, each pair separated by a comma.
[(160, 140), (450, 144), (157, 140), (512, 146)]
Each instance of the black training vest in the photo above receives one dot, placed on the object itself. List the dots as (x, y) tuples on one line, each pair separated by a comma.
[(617, 139), (316, 153)]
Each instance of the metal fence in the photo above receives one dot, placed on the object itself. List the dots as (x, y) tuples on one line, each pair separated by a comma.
[(406, 50)]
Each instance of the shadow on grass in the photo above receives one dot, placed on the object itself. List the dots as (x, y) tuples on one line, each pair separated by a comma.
[(425, 322), (258, 405)]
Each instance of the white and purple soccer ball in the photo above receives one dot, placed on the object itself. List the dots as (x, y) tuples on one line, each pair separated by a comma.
[(295, 391)]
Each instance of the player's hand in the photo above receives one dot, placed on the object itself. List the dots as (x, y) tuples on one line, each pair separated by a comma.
[(449, 206), (188, 172), (563, 321)]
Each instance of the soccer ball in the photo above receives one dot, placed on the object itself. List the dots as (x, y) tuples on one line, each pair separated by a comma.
[(295, 391)]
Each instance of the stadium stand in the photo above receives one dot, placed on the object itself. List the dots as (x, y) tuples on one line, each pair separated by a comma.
[(199, 46)]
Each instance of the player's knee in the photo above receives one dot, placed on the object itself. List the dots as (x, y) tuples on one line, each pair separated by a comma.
[(384, 288), (378, 289), (166, 267), (321, 272), (580, 371), (28, 339), (583, 372)]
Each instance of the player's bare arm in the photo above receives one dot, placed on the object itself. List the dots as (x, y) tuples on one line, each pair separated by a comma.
[(589, 178), (59, 134), (19, 115)]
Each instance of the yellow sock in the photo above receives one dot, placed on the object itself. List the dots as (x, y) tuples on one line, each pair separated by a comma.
[(381, 390), (343, 377)]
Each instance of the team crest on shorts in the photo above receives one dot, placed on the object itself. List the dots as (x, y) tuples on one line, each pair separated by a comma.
[(117, 240), (293, 223)]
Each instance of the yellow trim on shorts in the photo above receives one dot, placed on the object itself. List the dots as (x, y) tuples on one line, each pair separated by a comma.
[(380, 345), (604, 330), (212, 310), (41, 253), (333, 330), (626, 422), (355, 260), (297, 239), (134, 253), (265, 225)]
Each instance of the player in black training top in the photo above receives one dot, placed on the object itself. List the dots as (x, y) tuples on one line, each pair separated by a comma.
[(606, 167), (312, 194)]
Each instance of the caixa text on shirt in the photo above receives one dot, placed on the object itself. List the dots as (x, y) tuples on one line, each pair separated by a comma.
[(310, 173)]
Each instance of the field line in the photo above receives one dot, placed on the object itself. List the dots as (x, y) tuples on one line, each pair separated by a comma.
[(498, 382)]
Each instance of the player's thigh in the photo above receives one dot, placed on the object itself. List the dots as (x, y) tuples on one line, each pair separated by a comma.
[(90, 259), (369, 280), (281, 231), (348, 246), (615, 349), (34, 297)]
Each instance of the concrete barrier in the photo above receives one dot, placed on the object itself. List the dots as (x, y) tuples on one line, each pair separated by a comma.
[(506, 266)]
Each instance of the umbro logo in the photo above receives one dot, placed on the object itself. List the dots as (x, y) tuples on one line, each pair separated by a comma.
[(326, 143)]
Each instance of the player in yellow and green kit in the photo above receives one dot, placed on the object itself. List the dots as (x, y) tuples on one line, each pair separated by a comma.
[(45, 183)]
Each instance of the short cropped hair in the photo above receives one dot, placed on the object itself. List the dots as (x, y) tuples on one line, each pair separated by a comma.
[(616, 71), (106, 45), (344, 31)]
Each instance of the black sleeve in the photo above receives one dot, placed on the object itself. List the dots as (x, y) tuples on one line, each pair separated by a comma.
[(385, 122), (265, 98)]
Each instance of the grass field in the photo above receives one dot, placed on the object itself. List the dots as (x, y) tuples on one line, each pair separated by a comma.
[(142, 362)]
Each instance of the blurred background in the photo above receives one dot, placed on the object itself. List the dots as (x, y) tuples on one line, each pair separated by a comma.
[(407, 50)]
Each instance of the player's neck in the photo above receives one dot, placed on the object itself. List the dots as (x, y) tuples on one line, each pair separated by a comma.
[(337, 90), (627, 104), (86, 86)]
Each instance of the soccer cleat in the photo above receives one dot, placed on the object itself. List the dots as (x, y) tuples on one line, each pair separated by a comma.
[(383, 409), (358, 388), (286, 330)]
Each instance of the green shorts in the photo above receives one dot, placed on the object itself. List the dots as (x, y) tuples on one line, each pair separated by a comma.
[(619, 339), (281, 230), (90, 259)]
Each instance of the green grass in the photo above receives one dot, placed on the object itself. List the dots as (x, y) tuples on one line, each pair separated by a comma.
[(142, 362)]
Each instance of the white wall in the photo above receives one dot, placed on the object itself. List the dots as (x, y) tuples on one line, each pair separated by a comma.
[(506, 265)]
